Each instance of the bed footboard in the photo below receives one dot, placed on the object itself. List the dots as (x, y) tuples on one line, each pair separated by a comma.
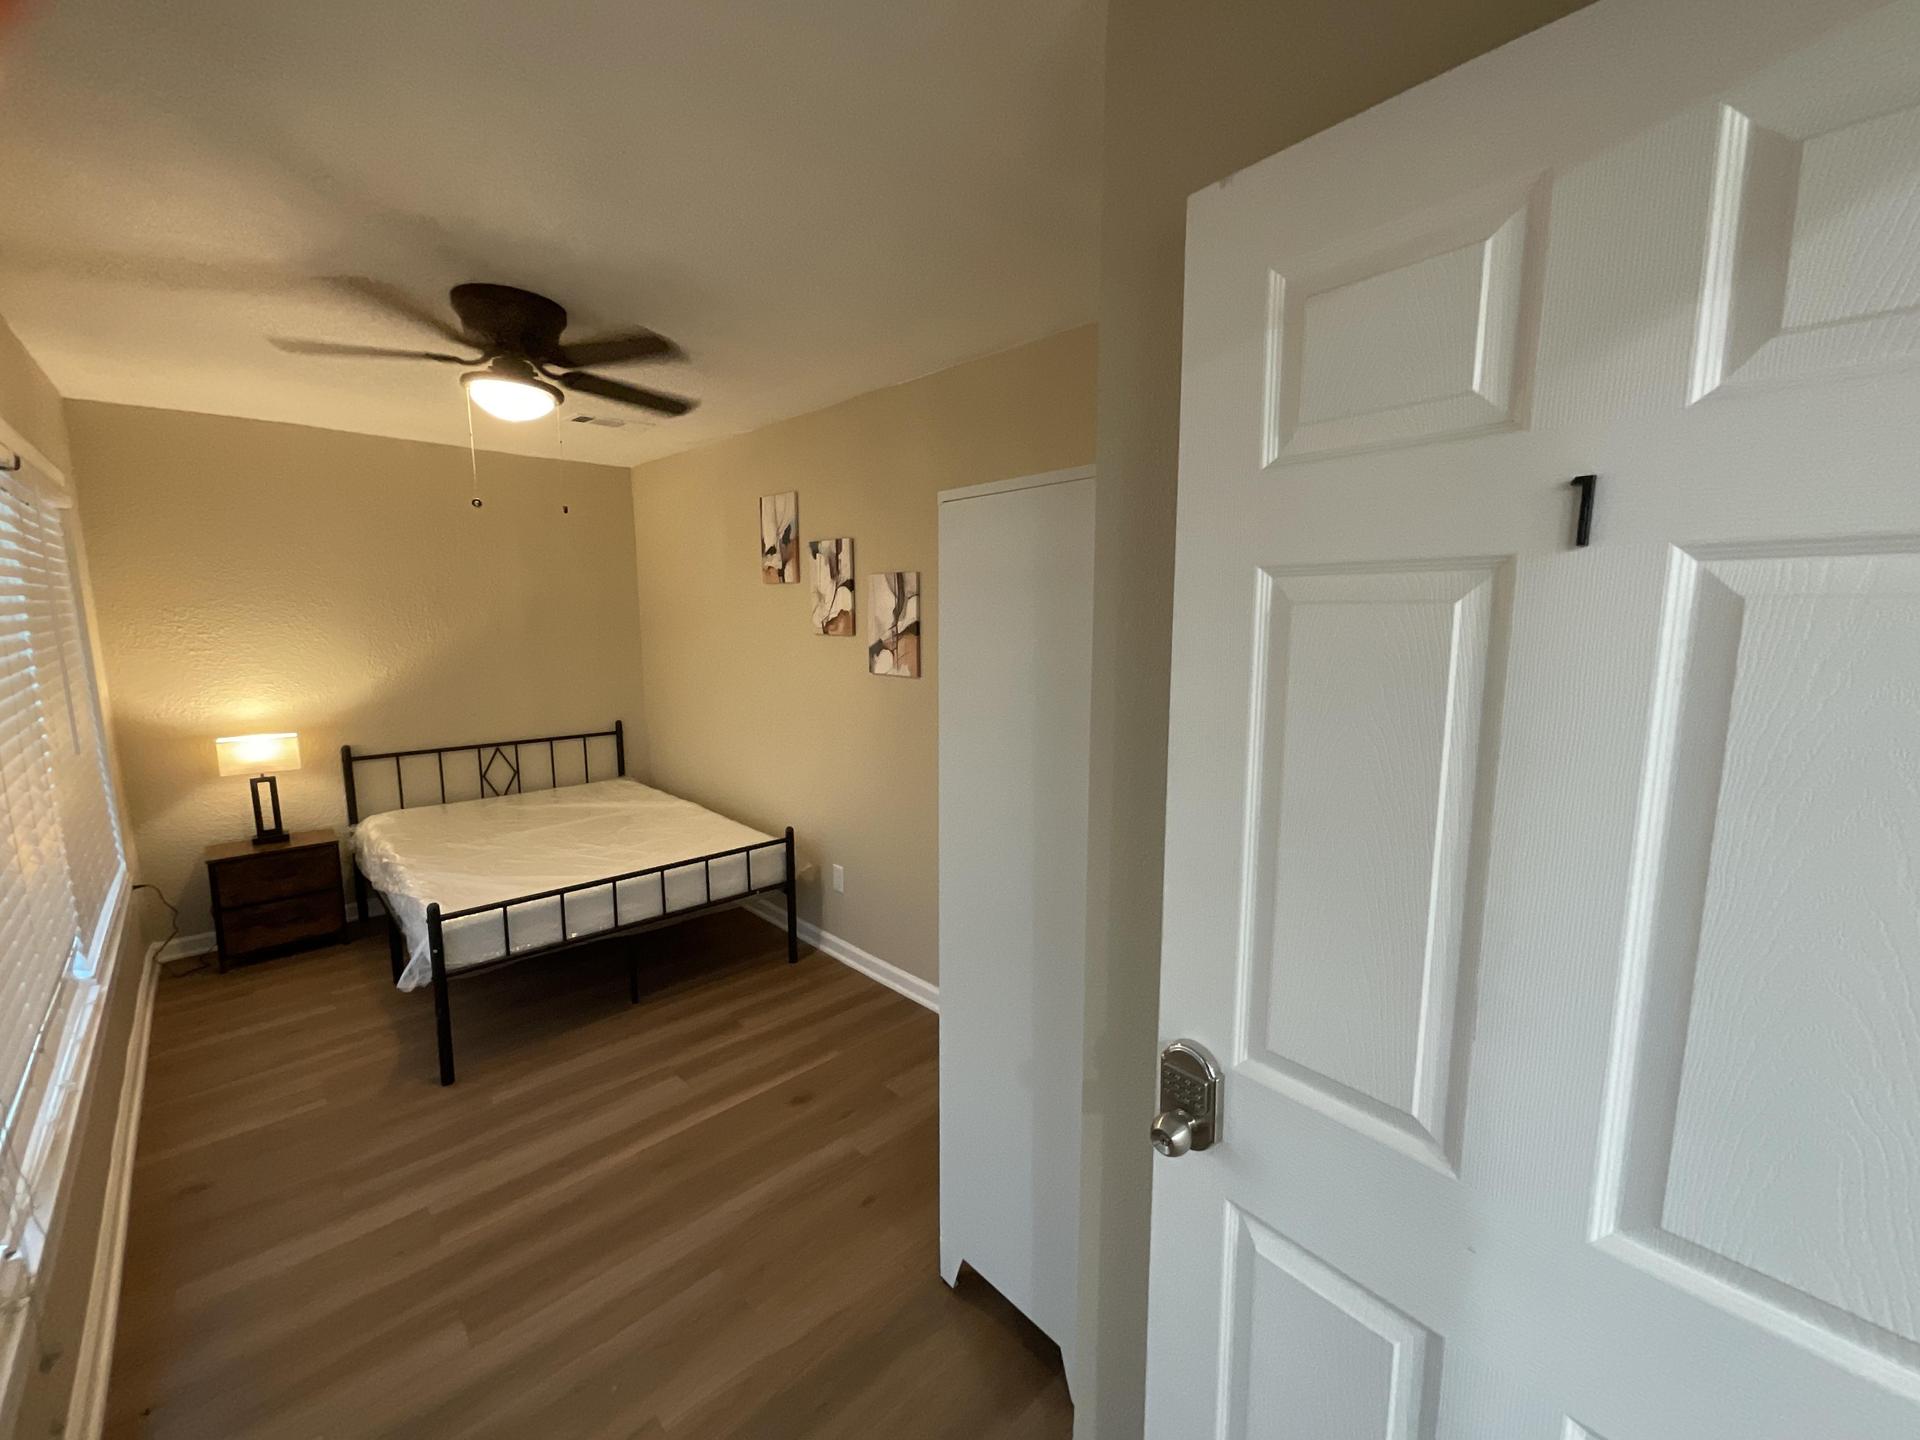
[(787, 885)]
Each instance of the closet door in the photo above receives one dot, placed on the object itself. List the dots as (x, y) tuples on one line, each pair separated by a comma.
[(1016, 618)]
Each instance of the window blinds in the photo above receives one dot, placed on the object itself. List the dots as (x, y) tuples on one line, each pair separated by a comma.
[(88, 825), (62, 869)]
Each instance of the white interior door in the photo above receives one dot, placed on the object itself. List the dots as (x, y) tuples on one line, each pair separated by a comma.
[(1016, 677), (1555, 912)]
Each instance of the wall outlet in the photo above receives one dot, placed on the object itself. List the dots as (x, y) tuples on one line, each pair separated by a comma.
[(840, 879)]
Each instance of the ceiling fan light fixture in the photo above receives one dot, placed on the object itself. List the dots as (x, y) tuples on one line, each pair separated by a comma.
[(526, 367), (511, 389)]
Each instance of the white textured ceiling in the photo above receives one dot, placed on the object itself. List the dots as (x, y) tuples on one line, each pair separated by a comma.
[(815, 199)]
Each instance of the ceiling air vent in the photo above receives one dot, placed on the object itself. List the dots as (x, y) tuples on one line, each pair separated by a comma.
[(605, 422)]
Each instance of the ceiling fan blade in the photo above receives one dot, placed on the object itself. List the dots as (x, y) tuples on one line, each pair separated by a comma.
[(370, 352), (396, 301), (618, 349), (590, 384)]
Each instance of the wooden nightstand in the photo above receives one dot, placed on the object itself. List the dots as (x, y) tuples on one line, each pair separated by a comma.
[(269, 898)]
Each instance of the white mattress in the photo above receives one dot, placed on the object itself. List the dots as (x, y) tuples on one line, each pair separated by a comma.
[(477, 852)]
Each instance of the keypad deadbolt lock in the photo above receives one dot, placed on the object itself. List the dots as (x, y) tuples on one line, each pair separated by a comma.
[(1189, 1117)]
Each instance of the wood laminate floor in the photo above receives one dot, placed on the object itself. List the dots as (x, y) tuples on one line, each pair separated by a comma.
[(713, 1213)]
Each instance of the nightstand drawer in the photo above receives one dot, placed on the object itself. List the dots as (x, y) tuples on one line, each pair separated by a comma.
[(280, 922), (275, 874)]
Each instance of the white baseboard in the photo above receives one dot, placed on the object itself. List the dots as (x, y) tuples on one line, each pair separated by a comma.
[(191, 947), (921, 992), (186, 947), (87, 1408)]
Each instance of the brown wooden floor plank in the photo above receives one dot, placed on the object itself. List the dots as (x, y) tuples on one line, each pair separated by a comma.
[(714, 1213)]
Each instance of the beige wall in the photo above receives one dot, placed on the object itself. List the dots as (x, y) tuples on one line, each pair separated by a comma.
[(751, 713), (1194, 93), (29, 403), (251, 576)]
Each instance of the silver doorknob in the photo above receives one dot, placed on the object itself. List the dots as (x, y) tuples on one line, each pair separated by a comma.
[(1173, 1133), (1189, 1117)]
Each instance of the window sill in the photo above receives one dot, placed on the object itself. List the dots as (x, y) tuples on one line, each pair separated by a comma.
[(49, 1149)]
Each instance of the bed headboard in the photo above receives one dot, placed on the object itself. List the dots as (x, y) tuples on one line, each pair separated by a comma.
[(497, 767)]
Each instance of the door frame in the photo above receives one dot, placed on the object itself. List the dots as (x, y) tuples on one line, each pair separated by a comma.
[(1020, 482)]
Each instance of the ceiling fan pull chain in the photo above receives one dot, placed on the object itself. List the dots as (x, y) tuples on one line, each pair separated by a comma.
[(473, 454)]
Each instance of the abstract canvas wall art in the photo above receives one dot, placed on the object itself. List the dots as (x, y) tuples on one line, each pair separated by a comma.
[(780, 538), (895, 647), (832, 562)]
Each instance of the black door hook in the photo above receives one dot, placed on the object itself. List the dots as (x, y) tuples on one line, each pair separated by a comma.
[(1583, 525)]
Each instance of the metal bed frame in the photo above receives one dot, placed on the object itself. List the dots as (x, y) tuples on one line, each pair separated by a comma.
[(506, 755)]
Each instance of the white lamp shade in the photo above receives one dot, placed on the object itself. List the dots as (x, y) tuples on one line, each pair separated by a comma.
[(258, 754), (511, 399)]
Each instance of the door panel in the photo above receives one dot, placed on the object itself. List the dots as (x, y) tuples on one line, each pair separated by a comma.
[(1407, 338), (1811, 264), (1318, 1356), (1769, 1027), (1554, 912), (1373, 693)]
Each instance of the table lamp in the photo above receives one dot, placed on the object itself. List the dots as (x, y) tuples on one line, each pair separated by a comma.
[(261, 757)]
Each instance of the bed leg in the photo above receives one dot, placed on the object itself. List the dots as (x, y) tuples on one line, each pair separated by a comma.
[(443, 1024), (442, 1013), (793, 905), (361, 900), (396, 948)]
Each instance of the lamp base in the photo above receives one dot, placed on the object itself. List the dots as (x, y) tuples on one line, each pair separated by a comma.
[(263, 833)]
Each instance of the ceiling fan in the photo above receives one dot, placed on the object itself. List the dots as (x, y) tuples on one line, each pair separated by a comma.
[(523, 366)]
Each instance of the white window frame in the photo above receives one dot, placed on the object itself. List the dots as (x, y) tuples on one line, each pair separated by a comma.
[(70, 1044)]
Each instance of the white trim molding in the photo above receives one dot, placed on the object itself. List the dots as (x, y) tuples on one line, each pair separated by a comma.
[(185, 947), (12, 439), (201, 942), (87, 1407), (921, 992), (1019, 482)]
